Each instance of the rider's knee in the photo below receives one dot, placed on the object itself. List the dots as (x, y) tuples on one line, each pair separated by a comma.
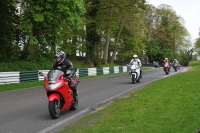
[(71, 84)]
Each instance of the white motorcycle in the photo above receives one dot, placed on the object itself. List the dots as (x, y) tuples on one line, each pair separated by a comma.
[(135, 73)]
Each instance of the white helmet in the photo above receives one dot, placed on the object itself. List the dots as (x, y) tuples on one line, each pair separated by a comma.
[(166, 58), (134, 56)]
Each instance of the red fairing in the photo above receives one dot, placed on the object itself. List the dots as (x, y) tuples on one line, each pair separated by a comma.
[(58, 89), (54, 96), (166, 65)]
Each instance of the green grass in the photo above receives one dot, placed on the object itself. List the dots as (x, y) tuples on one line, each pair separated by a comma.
[(194, 63), (170, 105), (24, 85), (17, 86)]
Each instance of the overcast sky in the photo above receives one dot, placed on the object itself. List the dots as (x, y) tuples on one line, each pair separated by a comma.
[(189, 10)]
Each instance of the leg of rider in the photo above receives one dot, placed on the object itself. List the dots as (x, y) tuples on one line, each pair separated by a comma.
[(72, 85), (140, 73)]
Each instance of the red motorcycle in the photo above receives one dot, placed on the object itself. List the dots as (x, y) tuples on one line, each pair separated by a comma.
[(59, 93), (166, 68)]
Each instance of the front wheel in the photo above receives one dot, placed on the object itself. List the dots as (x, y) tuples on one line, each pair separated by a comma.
[(166, 72), (54, 109), (133, 79)]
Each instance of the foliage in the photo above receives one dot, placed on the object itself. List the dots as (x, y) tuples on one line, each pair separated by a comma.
[(101, 30), (194, 63), (43, 64), (25, 66), (197, 45), (9, 31)]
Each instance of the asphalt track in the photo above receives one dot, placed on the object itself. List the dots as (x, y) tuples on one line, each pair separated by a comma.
[(26, 110)]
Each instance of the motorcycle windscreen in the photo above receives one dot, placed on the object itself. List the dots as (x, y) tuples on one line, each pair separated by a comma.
[(54, 74)]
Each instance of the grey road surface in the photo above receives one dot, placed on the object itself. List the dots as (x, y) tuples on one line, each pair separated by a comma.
[(26, 110)]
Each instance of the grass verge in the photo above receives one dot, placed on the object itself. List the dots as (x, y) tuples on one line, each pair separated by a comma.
[(170, 105), (23, 85)]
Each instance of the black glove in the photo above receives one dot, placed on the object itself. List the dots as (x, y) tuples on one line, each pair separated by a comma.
[(69, 77)]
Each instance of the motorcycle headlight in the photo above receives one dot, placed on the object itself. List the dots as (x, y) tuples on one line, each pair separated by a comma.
[(133, 70), (53, 86)]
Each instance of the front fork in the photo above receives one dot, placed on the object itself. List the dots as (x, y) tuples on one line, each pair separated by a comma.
[(55, 96), (133, 75)]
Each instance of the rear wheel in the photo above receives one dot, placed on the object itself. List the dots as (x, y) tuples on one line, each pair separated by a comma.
[(138, 80), (54, 109)]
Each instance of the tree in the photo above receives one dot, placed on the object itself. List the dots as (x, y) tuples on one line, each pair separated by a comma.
[(166, 32), (92, 37), (9, 27), (43, 22)]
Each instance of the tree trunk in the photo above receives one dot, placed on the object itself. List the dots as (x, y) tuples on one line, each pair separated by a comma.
[(117, 41), (92, 37), (74, 46), (105, 55)]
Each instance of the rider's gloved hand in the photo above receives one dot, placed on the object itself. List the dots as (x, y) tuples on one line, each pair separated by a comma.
[(69, 77)]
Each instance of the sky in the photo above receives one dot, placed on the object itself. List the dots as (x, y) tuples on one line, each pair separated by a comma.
[(189, 10)]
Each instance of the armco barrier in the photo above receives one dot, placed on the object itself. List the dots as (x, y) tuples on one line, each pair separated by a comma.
[(23, 76), (45, 72), (28, 76), (9, 77)]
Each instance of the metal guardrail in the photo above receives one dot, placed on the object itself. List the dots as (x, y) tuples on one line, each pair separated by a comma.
[(24, 76), (9, 77)]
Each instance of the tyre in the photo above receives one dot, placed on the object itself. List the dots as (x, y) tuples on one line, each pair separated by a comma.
[(166, 72), (74, 105), (138, 80), (133, 79), (175, 69), (54, 109)]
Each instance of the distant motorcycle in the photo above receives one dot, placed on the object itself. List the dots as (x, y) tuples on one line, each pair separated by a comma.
[(135, 73), (166, 68), (59, 93), (176, 66), (156, 65)]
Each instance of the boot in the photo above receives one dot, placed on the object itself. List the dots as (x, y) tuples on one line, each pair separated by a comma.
[(75, 95), (73, 87), (140, 74)]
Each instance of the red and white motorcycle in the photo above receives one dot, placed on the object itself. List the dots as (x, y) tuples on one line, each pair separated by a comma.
[(166, 68)]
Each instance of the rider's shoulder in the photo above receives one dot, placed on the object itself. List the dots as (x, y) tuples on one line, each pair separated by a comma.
[(68, 62)]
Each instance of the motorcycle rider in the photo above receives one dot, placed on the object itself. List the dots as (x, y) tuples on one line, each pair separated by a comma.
[(176, 61), (166, 61), (136, 61), (63, 64)]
